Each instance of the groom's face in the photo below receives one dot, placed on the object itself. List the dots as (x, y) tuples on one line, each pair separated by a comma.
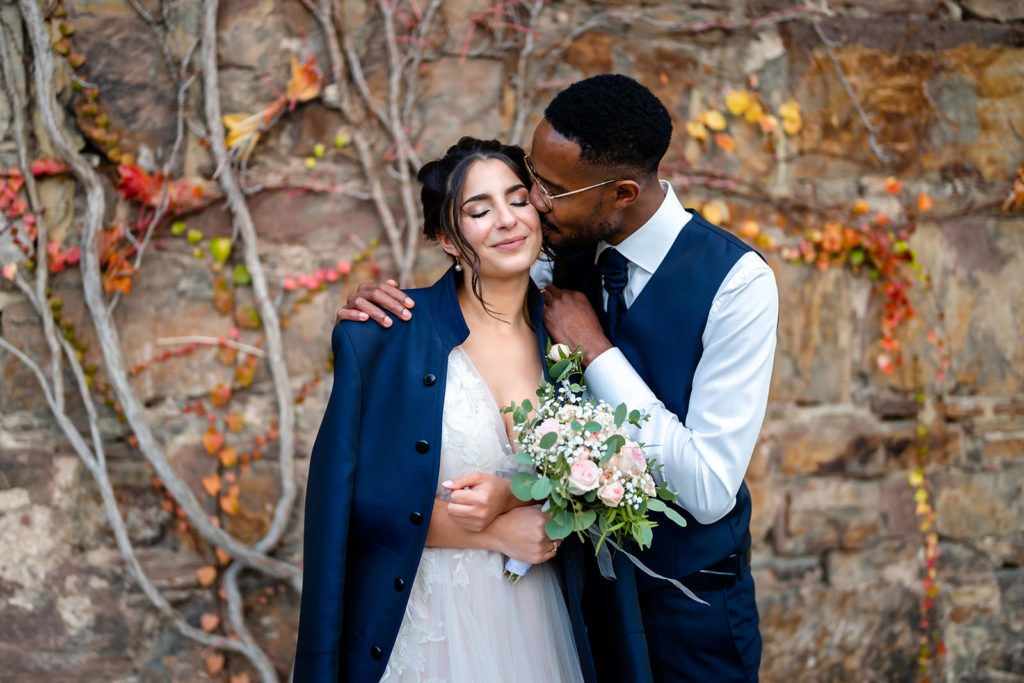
[(576, 220)]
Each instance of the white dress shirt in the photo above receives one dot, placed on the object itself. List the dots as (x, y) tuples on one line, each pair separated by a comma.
[(705, 454)]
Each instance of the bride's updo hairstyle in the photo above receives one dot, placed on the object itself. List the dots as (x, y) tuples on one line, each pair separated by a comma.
[(443, 181)]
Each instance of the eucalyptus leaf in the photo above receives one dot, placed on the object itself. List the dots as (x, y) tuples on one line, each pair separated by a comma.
[(548, 440), (559, 369), (590, 496), (522, 485), (558, 528), (592, 426), (519, 416), (577, 426), (666, 494), (522, 457), (541, 488), (646, 536), (585, 520), (526, 405), (634, 415), (620, 414)]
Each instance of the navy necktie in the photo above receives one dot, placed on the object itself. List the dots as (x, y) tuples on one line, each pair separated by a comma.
[(614, 275)]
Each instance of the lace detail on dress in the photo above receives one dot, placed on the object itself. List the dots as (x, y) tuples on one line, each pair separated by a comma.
[(464, 622)]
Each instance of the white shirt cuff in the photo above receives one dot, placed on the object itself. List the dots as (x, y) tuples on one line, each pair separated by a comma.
[(612, 379)]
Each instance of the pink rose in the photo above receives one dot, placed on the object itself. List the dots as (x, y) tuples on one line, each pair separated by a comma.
[(548, 425), (558, 352), (611, 494), (633, 458), (583, 476)]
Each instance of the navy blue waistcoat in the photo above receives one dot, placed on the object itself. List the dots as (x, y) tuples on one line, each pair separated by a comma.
[(661, 335), (372, 481)]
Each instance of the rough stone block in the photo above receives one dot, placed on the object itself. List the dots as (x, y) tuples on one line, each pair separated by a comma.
[(829, 513), (973, 504)]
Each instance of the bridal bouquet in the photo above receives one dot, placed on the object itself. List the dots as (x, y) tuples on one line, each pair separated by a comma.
[(588, 473)]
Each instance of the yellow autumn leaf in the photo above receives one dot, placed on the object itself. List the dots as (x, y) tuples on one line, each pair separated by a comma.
[(243, 132), (696, 130), (792, 121), (754, 112), (725, 141), (713, 119), (738, 101), (716, 212), (860, 207), (916, 478), (229, 504)]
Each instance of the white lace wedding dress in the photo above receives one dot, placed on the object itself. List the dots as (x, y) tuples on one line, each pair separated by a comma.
[(465, 623)]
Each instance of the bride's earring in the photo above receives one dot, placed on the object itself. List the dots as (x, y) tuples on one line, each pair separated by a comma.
[(458, 265)]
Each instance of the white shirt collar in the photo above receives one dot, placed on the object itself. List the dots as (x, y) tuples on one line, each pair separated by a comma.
[(648, 246)]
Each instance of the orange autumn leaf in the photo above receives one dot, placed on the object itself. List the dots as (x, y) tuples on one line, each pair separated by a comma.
[(209, 622), (860, 208), (750, 229), (228, 457), (725, 141), (220, 395), (229, 504), (206, 575), (924, 202), (240, 678), (212, 440), (214, 663), (234, 422), (305, 82), (222, 557), (212, 484), (893, 186)]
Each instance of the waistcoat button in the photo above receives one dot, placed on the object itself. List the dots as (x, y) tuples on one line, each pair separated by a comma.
[(399, 584), (376, 652), (422, 446), (429, 379), (416, 518)]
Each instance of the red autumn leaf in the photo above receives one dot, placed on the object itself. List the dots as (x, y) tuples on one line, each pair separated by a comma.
[(220, 395), (47, 167), (108, 240), (73, 255), (212, 440), (893, 185), (138, 185)]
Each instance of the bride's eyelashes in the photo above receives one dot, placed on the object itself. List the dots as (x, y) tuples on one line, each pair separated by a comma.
[(483, 213)]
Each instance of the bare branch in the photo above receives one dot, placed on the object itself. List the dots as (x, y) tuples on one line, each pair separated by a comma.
[(271, 325), (105, 331), (259, 658), (213, 341)]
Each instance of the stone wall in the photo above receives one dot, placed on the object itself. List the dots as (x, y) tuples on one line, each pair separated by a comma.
[(838, 554)]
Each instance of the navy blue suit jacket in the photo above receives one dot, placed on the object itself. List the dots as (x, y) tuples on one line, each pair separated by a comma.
[(371, 487)]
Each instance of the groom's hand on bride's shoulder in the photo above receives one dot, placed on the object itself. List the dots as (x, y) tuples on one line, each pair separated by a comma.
[(374, 301)]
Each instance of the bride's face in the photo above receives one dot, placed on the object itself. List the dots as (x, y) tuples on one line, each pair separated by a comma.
[(497, 220)]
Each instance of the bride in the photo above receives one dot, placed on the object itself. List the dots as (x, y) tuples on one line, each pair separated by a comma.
[(408, 510)]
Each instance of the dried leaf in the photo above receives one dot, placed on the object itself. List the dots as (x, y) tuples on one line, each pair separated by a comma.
[(206, 575), (792, 121), (305, 81), (229, 504), (860, 208), (750, 229), (248, 318), (240, 678), (924, 202), (235, 422), (754, 112), (222, 557), (220, 395)]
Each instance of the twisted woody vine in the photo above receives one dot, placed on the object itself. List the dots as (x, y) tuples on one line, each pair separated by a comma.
[(104, 255)]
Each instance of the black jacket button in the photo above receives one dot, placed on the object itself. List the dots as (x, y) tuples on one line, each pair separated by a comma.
[(422, 446), (429, 379), (376, 652), (416, 518), (399, 584)]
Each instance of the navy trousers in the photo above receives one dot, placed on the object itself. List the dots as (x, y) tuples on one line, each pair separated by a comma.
[(690, 642)]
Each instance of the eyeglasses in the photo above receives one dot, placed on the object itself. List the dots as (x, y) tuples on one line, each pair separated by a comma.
[(547, 196)]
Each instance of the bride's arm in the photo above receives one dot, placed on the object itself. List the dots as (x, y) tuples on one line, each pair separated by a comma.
[(518, 533), (478, 498)]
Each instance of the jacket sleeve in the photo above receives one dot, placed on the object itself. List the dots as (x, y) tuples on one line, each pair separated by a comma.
[(329, 492)]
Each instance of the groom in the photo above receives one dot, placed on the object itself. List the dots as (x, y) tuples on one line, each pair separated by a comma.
[(677, 318)]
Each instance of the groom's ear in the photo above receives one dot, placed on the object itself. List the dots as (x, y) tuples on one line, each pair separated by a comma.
[(626, 193)]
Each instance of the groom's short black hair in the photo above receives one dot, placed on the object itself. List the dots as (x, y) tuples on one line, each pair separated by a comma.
[(615, 120)]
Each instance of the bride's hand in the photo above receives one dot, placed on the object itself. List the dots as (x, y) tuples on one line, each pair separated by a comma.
[(519, 534), (477, 498)]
